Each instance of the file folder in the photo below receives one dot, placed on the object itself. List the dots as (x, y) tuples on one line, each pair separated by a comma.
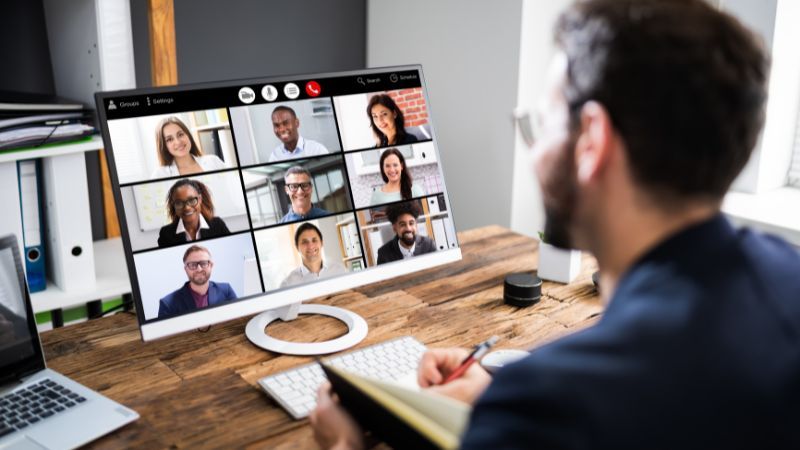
[(33, 247), (452, 239), (439, 234), (69, 231), (11, 218)]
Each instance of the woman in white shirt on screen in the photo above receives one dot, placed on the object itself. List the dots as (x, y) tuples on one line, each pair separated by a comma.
[(399, 185), (178, 153)]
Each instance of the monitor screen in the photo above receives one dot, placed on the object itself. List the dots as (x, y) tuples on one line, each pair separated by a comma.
[(242, 196)]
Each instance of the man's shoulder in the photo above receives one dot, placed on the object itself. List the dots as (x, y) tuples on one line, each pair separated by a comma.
[(426, 243), (180, 292)]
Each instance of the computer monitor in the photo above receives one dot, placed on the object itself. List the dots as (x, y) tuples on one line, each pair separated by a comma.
[(251, 196)]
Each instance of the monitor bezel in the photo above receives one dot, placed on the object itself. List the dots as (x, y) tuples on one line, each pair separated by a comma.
[(275, 299)]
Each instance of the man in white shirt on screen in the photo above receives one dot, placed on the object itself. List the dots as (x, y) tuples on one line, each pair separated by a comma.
[(308, 241), (285, 124)]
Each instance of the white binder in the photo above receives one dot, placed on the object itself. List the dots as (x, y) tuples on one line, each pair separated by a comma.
[(452, 239), (11, 218), (69, 230), (439, 234)]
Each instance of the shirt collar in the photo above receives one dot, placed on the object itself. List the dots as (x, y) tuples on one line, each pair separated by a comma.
[(182, 229), (677, 253), (305, 271), (407, 252), (301, 145)]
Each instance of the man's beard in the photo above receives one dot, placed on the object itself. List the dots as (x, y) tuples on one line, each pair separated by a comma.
[(560, 197), (200, 279), (408, 241)]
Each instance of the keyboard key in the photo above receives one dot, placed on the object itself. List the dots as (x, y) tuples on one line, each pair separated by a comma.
[(296, 388), (5, 430)]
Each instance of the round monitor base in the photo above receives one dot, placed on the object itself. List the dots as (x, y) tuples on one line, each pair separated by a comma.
[(356, 325)]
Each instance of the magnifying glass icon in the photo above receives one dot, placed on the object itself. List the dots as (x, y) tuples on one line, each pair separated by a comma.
[(360, 81)]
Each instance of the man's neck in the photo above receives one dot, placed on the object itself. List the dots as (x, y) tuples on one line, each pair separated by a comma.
[(201, 289), (292, 146), (314, 266), (624, 238), (302, 212)]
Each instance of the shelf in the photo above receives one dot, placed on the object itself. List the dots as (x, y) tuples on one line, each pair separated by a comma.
[(111, 271), (213, 127), (93, 143)]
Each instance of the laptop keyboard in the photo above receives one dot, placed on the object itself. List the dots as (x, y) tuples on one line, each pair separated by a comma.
[(393, 360), (33, 403)]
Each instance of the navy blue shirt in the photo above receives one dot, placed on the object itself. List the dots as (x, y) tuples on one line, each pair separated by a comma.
[(699, 348)]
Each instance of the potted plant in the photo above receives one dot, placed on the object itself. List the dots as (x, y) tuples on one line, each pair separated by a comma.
[(556, 264)]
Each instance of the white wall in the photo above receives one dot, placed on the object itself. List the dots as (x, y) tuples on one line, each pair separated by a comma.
[(536, 49), (469, 51)]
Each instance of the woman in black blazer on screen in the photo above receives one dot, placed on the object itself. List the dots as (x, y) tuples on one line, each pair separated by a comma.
[(191, 210)]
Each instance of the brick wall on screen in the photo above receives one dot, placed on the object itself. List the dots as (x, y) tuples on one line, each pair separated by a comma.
[(412, 103)]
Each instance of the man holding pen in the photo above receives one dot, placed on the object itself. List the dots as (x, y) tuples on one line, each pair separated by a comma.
[(651, 111)]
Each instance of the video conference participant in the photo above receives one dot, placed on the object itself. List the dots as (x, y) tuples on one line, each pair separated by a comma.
[(299, 188), (308, 241), (388, 122), (191, 209), (406, 243), (199, 292), (698, 345), (286, 124), (399, 185), (178, 153)]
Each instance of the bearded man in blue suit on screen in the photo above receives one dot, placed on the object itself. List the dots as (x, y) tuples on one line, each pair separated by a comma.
[(199, 292)]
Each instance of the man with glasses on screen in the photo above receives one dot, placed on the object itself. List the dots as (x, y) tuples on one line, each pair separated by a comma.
[(651, 110), (300, 190), (199, 292), (286, 126)]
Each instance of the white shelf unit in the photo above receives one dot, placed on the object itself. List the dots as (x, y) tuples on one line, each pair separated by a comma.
[(111, 270), (93, 143)]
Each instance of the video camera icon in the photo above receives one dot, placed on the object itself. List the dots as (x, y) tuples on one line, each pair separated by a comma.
[(247, 95)]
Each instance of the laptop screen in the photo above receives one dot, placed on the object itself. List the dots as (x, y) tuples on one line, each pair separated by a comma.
[(20, 352)]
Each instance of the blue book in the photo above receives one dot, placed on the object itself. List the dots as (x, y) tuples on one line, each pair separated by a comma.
[(32, 229)]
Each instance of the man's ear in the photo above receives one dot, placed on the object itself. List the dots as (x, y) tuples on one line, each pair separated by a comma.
[(594, 148)]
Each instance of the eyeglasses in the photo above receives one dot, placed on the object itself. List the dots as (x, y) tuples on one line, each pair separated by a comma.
[(293, 187), (193, 265), (527, 126), (180, 204)]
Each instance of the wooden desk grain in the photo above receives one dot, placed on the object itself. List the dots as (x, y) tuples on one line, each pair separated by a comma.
[(198, 389)]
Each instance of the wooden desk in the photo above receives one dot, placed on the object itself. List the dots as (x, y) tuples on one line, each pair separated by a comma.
[(198, 389)]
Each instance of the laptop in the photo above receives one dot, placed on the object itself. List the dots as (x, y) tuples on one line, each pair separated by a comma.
[(40, 408)]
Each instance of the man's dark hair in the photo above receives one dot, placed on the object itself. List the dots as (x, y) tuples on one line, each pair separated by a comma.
[(683, 83), (285, 108), (394, 211), (302, 229)]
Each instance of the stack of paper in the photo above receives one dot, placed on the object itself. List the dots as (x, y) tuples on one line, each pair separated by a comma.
[(30, 120)]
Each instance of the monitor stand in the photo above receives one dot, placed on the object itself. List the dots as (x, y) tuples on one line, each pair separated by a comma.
[(256, 330)]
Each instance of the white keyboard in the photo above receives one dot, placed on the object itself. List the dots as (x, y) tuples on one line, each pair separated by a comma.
[(394, 360)]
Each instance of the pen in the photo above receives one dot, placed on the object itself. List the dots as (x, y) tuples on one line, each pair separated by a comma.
[(480, 350)]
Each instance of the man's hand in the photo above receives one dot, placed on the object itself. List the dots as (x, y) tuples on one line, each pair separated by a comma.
[(333, 427), (438, 363)]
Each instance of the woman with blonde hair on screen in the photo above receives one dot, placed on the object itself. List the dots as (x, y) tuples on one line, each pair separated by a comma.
[(399, 185), (178, 153)]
